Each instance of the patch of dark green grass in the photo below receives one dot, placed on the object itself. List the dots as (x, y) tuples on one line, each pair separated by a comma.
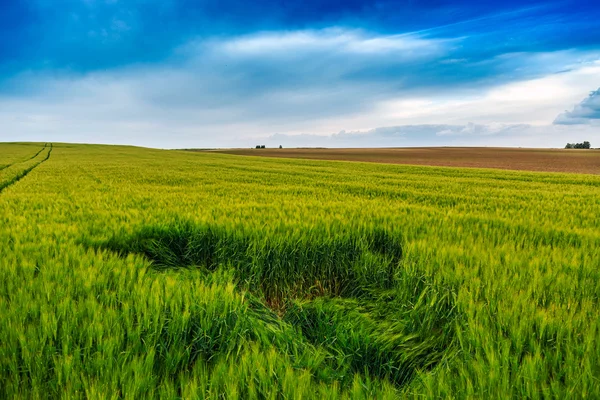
[(277, 266), (347, 300)]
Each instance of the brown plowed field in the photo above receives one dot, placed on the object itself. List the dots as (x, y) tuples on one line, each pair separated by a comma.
[(549, 160)]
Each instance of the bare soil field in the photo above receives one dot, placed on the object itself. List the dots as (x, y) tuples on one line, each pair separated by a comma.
[(548, 160)]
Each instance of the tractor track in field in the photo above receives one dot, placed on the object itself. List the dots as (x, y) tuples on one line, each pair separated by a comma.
[(30, 158), (25, 172)]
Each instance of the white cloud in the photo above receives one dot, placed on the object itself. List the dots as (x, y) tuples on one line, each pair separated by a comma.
[(586, 112), (443, 135), (224, 93), (534, 102), (327, 40)]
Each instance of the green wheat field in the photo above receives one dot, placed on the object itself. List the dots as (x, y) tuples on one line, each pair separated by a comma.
[(131, 273)]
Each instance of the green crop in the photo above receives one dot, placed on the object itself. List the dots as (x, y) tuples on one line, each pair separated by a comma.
[(137, 273), (11, 153), (15, 165)]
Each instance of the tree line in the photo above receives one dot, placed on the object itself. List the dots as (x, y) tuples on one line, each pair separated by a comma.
[(584, 145)]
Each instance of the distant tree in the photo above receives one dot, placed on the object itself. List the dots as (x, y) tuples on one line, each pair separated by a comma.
[(584, 145), (262, 146), (258, 146), (280, 146)]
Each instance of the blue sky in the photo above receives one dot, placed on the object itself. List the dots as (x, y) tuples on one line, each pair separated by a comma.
[(324, 73)]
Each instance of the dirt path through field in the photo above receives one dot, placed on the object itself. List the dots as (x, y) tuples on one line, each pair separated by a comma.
[(548, 160)]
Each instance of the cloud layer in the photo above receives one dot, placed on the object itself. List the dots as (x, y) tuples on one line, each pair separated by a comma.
[(586, 112), (442, 135)]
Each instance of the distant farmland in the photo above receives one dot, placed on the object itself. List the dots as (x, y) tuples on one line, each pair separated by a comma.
[(547, 160)]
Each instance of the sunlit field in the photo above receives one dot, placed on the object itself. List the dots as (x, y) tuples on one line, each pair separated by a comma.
[(136, 273)]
